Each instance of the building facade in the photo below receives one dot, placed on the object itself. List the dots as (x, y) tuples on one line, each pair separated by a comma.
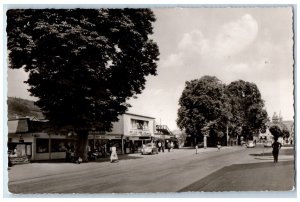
[(28, 142), (127, 135)]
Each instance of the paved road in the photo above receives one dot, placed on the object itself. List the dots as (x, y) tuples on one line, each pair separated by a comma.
[(165, 172)]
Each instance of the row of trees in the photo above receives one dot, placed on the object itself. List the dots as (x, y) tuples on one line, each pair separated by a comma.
[(83, 64), (209, 107)]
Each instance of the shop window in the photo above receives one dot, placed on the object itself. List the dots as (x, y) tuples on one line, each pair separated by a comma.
[(145, 125), (59, 145), (42, 145), (139, 124)]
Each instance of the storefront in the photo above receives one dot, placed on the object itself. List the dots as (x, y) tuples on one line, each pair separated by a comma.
[(133, 144), (99, 141), (27, 140), (136, 130)]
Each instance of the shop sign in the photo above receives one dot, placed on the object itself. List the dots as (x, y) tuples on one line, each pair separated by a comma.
[(97, 132), (107, 137), (133, 138), (99, 136), (139, 133), (96, 137), (116, 137)]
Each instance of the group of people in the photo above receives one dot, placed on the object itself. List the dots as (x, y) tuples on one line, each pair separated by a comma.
[(162, 146), (71, 154)]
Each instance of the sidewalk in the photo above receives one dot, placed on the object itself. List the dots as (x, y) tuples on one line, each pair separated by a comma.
[(265, 176), (257, 173)]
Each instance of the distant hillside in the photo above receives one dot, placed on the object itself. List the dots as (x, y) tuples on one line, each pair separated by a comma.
[(20, 107)]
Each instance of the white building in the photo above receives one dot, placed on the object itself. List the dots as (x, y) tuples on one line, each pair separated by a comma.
[(128, 134)]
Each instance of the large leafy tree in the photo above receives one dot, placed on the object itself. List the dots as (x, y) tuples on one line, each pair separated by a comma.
[(83, 64), (247, 109), (204, 108), (284, 131), (276, 131)]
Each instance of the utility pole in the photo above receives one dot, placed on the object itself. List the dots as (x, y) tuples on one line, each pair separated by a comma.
[(227, 135)]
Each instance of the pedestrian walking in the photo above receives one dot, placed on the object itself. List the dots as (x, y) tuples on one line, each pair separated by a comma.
[(68, 153), (113, 156), (163, 146), (169, 146), (159, 146), (219, 146), (172, 146), (196, 149), (276, 146)]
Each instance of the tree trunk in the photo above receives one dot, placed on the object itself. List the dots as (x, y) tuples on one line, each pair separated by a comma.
[(82, 144)]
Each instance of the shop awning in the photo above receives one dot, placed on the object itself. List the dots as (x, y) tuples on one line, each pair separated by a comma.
[(162, 137), (107, 137)]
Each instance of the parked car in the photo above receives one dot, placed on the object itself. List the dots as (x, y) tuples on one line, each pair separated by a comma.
[(268, 144), (149, 148), (250, 144), (200, 145)]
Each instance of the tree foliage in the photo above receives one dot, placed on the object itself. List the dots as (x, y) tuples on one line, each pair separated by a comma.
[(248, 113), (203, 107), (208, 107), (276, 131), (83, 64), (280, 130)]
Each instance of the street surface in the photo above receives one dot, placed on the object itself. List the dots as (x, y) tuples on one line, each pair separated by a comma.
[(231, 169)]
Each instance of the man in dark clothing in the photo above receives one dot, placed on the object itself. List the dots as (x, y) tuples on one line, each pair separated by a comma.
[(276, 146)]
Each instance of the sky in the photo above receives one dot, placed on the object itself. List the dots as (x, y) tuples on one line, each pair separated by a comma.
[(252, 44)]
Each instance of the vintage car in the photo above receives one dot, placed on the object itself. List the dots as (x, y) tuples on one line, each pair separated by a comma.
[(149, 148), (250, 144), (200, 145), (268, 144)]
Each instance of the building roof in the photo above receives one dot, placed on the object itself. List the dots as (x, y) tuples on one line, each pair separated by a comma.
[(25, 125), (139, 115), (18, 126), (163, 129)]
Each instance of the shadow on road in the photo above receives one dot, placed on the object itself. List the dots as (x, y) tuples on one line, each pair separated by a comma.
[(262, 154), (248, 177), (281, 152)]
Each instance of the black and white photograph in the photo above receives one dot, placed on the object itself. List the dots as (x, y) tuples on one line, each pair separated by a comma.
[(149, 99)]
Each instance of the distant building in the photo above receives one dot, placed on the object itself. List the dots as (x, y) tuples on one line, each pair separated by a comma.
[(278, 120)]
